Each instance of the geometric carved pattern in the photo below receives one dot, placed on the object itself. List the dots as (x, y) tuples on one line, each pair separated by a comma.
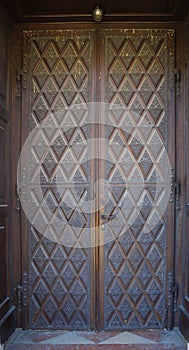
[(138, 70), (59, 299), (137, 66), (61, 76)]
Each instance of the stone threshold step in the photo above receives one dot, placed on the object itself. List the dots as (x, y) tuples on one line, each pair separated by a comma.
[(70, 340), (95, 347)]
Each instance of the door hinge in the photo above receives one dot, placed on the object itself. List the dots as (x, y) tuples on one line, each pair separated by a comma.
[(19, 75), (175, 189), (18, 204), (21, 78), (172, 292), (175, 297), (18, 297), (177, 82), (20, 294)]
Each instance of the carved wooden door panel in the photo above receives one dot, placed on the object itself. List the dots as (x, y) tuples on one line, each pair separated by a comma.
[(100, 248), (135, 265), (60, 264)]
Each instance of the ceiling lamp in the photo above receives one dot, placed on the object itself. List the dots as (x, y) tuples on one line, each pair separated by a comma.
[(97, 14)]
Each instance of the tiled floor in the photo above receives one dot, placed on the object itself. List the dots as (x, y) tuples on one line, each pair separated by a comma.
[(59, 340)]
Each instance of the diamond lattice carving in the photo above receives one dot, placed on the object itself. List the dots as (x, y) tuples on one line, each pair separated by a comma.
[(127, 53), (41, 73), (144, 309), (155, 72), (135, 258), (146, 90), (154, 257), (135, 292), (50, 309), (50, 274), (154, 291), (41, 291), (60, 274), (137, 73), (136, 78), (116, 258), (116, 293), (50, 91), (125, 276), (51, 55), (146, 54), (116, 73), (60, 72), (40, 108), (79, 73), (59, 292), (70, 54), (144, 274)]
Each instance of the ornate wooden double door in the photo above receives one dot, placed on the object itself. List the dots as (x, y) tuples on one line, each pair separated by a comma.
[(95, 183)]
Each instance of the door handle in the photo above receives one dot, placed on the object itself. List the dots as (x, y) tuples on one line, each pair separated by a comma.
[(107, 217)]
